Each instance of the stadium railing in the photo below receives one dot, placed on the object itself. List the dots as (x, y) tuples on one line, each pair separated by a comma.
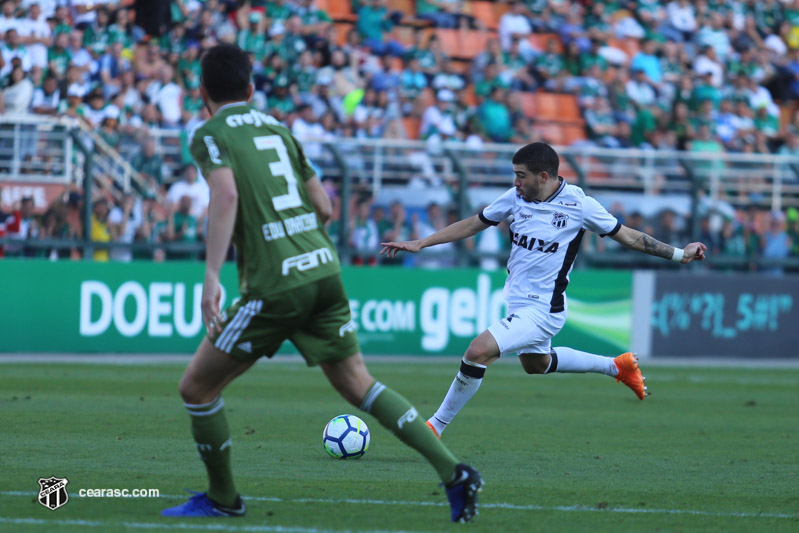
[(453, 175)]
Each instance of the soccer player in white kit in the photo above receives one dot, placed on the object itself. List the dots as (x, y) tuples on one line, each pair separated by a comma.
[(550, 218)]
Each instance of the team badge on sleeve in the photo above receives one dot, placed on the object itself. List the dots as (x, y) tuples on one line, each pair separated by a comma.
[(559, 219)]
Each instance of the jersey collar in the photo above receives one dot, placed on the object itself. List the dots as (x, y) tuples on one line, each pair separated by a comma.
[(554, 194), (232, 104)]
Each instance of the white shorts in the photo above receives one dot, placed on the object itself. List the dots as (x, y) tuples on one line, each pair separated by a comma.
[(527, 330)]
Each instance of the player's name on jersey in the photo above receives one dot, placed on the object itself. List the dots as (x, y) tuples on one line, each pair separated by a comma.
[(290, 226), (531, 243), (253, 116)]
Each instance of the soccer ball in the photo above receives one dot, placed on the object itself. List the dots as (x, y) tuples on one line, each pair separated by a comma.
[(346, 437)]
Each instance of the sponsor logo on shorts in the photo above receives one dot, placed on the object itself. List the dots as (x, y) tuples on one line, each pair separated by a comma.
[(245, 347)]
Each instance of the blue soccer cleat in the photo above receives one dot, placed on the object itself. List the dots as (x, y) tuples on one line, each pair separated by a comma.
[(201, 505), (462, 493)]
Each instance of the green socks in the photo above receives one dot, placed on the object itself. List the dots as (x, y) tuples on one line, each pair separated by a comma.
[(212, 435), (397, 414)]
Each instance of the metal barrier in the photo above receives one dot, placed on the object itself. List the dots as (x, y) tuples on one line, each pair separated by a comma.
[(34, 148), (451, 174)]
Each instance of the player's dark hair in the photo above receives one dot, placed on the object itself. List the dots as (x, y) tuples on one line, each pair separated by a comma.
[(538, 157), (226, 73)]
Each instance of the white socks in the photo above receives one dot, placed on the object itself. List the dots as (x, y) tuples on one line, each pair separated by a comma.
[(571, 360), (471, 375), (460, 392)]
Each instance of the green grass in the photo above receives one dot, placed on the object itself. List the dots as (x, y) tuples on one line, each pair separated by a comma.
[(711, 450)]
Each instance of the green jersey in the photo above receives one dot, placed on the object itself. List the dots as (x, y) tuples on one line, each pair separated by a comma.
[(279, 240)]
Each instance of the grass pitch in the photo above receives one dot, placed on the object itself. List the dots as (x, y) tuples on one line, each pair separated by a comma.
[(711, 450)]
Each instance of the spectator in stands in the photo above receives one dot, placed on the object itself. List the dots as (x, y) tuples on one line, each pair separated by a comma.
[(374, 20), (167, 95), (707, 62), (17, 93), (14, 49), (492, 78), (492, 54), (438, 120), (601, 124), (435, 221), (726, 126), (21, 225), (514, 24), (123, 223), (182, 227), (111, 67), (79, 56), (36, 34), (7, 16), (193, 187), (548, 67), (591, 85), (58, 58), (448, 78), (306, 127), (46, 98), (397, 224), (682, 20), (100, 231), (776, 243), (647, 60), (790, 147), (494, 116), (364, 236), (412, 83), (667, 228), (573, 31), (441, 13), (516, 69), (639, 90), (148, 162), (109, 128), (713, 34)]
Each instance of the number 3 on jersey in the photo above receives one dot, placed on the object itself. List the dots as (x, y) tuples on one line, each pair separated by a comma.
[(281, 168)]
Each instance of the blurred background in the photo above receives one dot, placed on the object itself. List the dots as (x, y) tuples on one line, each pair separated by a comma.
[(680, 117)]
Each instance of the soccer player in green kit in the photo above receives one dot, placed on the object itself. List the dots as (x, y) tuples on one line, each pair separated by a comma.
[(267, 199)]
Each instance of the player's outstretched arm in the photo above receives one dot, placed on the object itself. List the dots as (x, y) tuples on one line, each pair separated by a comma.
[(636, 240), (454, 232)]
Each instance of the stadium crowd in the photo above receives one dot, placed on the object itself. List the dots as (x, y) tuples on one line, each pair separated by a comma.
[(704, 75)]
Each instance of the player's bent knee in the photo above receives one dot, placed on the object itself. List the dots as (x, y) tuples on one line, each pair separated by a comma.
[(192, 392), (478, 353), (534, 363)]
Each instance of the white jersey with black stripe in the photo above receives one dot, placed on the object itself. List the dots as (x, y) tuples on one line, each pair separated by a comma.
[(545, 239)]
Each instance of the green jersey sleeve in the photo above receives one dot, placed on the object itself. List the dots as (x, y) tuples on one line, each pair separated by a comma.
[(209, 152)]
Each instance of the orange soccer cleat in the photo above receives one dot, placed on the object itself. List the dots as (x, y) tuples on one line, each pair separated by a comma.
[(433, 430), (630, 374)]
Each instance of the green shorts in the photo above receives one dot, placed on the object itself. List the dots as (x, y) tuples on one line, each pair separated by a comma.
[(315, 318)]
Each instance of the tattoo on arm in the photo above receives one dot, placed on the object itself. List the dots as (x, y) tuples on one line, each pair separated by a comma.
[(650, 245)]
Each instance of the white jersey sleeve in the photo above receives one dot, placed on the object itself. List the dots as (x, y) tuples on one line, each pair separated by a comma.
[(499, 209), (597, 219)]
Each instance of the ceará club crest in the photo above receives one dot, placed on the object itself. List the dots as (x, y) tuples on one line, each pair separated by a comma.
[(559, 219)]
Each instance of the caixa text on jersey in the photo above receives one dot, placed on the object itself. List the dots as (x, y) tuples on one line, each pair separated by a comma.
[(530, 243)]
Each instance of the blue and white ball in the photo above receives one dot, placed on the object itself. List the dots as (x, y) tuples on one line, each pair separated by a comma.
[(346, 437)]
